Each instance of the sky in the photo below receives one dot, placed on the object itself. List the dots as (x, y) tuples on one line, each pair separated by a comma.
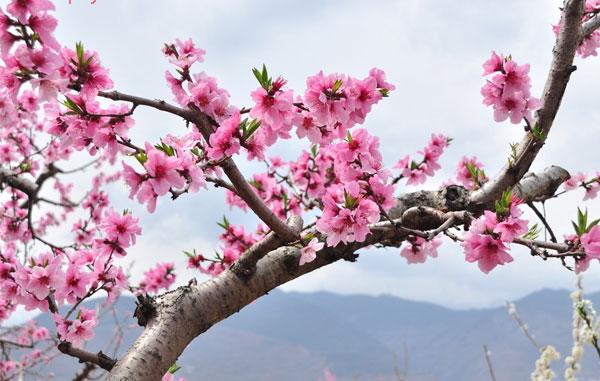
[(432, 50)]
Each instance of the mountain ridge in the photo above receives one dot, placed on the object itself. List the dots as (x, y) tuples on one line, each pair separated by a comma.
[(295, 336)]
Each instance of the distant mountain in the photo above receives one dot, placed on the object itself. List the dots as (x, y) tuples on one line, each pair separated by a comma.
[(294, 336)]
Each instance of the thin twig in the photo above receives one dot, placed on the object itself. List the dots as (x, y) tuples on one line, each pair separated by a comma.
[(543, 220), (488, 360), (99, 359)]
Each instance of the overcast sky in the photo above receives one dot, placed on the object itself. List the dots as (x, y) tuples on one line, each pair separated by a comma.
[(432, 50)]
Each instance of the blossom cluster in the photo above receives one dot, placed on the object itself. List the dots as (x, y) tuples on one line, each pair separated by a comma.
[(161, 276), (171, 166), (336, 103), (235, 240), (416, 172), (487, 238), (29, 335), (591, 185), (78, 330), (508, 90), (590, 242), (590, 44), (419, 249), (469, 172), (363, 194)]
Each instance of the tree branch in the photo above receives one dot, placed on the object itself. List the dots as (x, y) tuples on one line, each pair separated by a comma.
[(558, 77), (99, 359), (16, 181), (245, 266), (188, 311), (590, 26)]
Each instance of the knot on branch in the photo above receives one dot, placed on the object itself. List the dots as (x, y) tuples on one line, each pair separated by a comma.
[(456, 197), (245, 267), (145, 309)]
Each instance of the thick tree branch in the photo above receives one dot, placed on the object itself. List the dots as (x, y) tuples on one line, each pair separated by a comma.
[(16, 181), (99, 359), (558, 77), (187, 312), (245, 266), (590, 26)]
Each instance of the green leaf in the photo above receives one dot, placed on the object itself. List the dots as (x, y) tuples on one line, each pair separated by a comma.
[(141, 157), (336, 85), (314, 150), (537, 132), (164, 147), (71, 105), (190, 254), (225, 224), (255, 184), (473, 170), (174, 368), (576, 228), (196, 151), (25, 166), (258, 76), (513, 153), (262, 76), (251, 129), (592, 224), (265, 75), (88, 61), (582, 226), (581, 219), (79, 51), (533, 232), (349, 201)]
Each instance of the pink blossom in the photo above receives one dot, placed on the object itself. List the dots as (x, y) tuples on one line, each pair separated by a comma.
[(591, 242), (162, 170), (508, 91), (183, 54), (363, 94), (275, 111), (171, 377), (327, 106), (419, 249), (76, 283), (132, 178), (486, 251), (348, 222), (121, 228), (23, 8), (42, 277), (44, 25), (79, 330), (90, 75), (575, 181), (379, 76), (493, 64), (225, 141), (158, 277), (464, 176), (209, 98), (309, 252)]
